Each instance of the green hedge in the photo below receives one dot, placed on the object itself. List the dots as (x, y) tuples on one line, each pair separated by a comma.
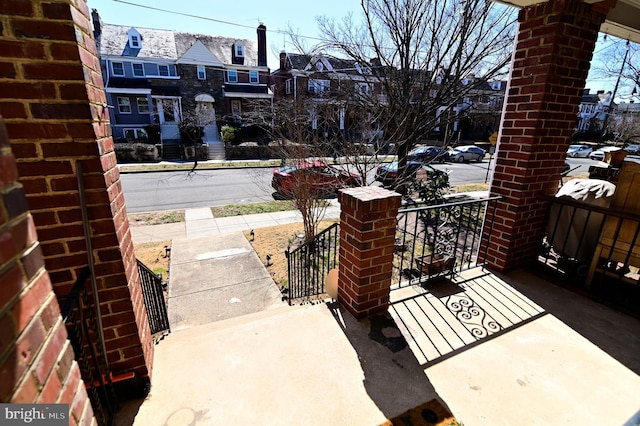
[(136, 152)]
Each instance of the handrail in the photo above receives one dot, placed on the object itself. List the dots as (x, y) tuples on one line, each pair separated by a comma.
[(73, 295)]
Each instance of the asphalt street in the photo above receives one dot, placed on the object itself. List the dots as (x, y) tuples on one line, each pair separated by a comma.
[(174, 190)]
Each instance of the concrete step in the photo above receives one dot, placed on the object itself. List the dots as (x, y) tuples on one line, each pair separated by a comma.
[(216, 150), (239, 320)]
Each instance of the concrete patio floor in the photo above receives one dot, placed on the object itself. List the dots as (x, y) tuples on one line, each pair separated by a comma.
[(556, 358)]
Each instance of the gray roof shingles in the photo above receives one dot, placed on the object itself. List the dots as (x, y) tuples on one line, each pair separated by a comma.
[(168, 44)]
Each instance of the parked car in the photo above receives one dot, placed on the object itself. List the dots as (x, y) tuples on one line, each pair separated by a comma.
[(599, 154), (428, 153), (633, 149), (387, 174), (579, 151), (322, 178), (466, 153)]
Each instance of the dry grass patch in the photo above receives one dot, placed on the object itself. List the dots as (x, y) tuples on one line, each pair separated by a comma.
[(274, 240), (153, 256)]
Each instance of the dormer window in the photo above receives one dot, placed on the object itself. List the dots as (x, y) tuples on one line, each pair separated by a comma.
[(135, 39), (239, 49)]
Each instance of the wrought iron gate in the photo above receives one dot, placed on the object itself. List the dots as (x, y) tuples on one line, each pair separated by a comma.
[(309, 264)]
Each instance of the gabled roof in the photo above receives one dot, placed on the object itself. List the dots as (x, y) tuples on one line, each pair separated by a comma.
[(329, 64), (114, 41), (200, 55), (220, 47), (184, 47)]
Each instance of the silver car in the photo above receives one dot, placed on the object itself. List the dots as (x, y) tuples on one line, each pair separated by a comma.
[(466, 153)]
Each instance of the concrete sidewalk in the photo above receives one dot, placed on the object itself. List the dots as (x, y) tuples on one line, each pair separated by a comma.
[(200, 222)]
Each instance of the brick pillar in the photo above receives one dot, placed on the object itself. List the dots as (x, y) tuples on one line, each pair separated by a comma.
[(36, 359), (367, 236), (53, 101), (554, 47)]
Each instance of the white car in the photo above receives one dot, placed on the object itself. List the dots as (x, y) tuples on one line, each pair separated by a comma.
[(599, 154), (579, 151), (633, 149)]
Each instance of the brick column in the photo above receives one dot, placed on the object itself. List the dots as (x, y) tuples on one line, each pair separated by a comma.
[(367, 236), (36, 359), (554, 47), (53, 101)]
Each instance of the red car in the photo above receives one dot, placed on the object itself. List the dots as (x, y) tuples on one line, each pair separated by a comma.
[(317, 177)]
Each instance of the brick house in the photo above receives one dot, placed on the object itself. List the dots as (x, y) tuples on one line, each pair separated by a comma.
[(339, 86), (339, 90), (156, 78)]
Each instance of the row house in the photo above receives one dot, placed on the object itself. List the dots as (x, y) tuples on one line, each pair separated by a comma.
[(477, 115), (342, 89), (591, 110), (155, 79), (337, 93)]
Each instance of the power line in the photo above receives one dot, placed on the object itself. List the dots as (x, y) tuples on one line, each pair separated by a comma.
[(204, 18)]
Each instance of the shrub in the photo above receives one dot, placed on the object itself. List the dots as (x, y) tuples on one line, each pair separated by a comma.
[(228, 133)]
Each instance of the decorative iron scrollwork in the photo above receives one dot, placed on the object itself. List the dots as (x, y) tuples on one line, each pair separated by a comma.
[(472, 316)]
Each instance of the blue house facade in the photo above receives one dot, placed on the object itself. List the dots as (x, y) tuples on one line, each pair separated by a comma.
[(155, 79)]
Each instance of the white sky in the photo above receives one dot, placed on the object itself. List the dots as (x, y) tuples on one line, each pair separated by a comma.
[(240, 19)]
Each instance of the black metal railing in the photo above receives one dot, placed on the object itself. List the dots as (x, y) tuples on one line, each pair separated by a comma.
[(154, 300), (438, 241), (309, 264), (80, 315), (594, 249)]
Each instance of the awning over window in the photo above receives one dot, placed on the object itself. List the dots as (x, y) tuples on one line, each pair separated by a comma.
[(203, 97)]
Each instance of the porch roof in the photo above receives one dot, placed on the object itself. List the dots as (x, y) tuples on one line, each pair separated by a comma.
[(622, 21)]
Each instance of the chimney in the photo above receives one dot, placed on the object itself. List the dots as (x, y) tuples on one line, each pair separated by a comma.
[(97, 23), (262, 45), (283, 60)]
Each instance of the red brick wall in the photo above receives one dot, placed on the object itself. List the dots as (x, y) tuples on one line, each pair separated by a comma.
[(52, 98), (554, 47), (36, 359), (367, 237)]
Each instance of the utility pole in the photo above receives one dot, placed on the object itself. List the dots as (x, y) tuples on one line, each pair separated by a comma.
[(613, 95)]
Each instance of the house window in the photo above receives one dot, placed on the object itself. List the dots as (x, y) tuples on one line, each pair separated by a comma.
[(253, 77), (163, 70), (138, 70), (135, 38), (202, 73), (124, 105), (133, 134), (143, 105), (317, 87), (117, 68), (362, 88), (232, 76), (287, 86), (239, 50)]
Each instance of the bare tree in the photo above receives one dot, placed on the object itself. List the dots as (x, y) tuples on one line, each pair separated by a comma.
[(305, 132), (426, 55), (619, 61)]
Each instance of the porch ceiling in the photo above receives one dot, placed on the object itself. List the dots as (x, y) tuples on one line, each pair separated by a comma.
[(623, 20)]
